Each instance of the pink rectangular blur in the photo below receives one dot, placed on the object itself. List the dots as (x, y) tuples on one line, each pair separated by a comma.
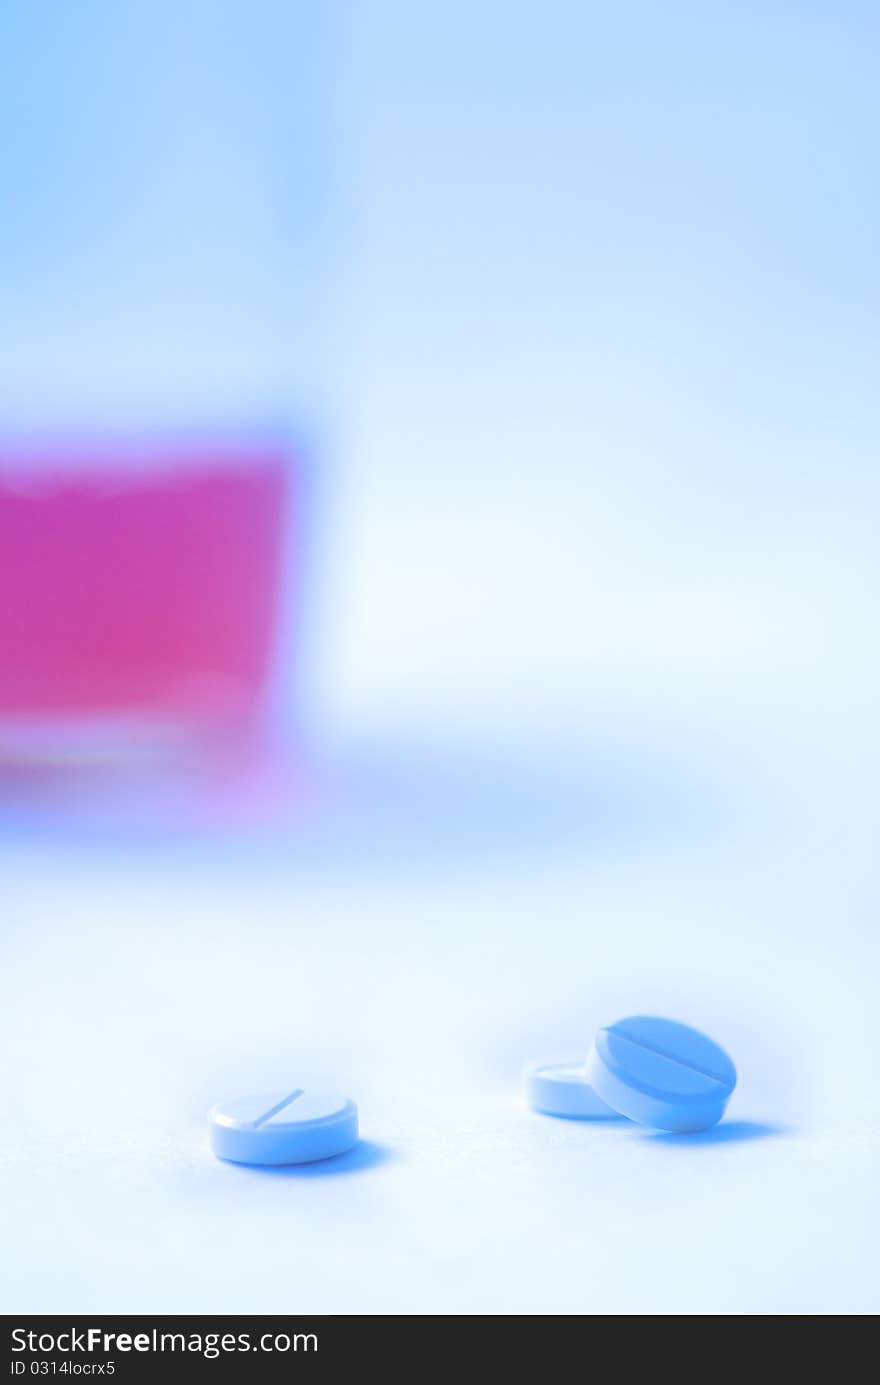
[(139, 583)]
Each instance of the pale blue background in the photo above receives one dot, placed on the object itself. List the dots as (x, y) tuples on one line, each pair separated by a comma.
[(592, 693)]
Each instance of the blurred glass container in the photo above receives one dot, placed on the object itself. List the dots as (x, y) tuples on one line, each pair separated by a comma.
[(163, 263), (139, 596)]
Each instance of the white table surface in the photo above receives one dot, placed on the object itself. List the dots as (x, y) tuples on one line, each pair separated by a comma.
[(444, 922)]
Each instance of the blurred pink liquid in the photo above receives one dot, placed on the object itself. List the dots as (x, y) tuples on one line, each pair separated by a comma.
[(140, 585)]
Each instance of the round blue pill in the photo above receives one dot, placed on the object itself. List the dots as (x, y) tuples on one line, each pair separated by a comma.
[(283, 1128), (661, 1073), (561, 1089)]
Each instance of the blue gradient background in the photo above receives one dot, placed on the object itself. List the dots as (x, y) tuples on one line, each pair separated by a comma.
[(590, 677)]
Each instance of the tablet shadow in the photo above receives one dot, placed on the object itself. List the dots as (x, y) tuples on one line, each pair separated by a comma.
[(366, 1154), (726, 1133)]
